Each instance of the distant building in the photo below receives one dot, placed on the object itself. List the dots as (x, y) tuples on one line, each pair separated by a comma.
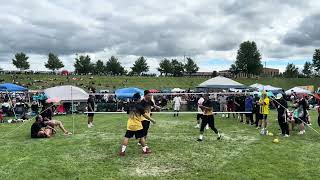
[(270, 72), (266, 72), (199, 74), (225, 73)]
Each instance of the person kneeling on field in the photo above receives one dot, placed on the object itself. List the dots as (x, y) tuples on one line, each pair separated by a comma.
[(134, 126)]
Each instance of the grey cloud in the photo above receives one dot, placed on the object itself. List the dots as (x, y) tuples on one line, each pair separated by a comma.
[(147, 28), (306, 34)]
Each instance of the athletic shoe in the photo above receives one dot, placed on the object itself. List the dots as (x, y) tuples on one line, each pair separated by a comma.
[(222, 115), (197, 126), (199, 140), (219, 137), (258, 127), (67, 133), (286, 135), (148, 151), (139, 144), (301, 132), (122, 153), (89, 126), (207, 127)]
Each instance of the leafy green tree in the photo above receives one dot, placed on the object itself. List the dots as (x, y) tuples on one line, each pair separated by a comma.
[(21, 61), (249, 59), (83, 65), (307, 69), (114, 67), (140, 66), (191, 67), (316, 60), (165, 67), (99, 68), (177, 68), (234, 70), (54, 62), (291, 71)]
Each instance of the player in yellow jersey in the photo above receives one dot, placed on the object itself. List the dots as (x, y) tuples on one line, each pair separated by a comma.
[(264, 103), (134, 125)]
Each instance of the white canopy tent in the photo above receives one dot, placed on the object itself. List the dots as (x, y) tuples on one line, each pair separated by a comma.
[(256, 85), (298, 90), (262, 87), (67, 93), (177, 90), (220, 83)]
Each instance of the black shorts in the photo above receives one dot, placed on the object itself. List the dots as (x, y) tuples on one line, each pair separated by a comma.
[(145, 125), (199, 116), (264, 116), (300, 120), (90, 114), (137, 134)]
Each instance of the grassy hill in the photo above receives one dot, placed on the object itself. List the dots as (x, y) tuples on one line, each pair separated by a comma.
[(111, 83), (93, 153)]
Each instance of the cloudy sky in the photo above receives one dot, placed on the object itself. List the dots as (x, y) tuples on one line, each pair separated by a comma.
[(209, 31)]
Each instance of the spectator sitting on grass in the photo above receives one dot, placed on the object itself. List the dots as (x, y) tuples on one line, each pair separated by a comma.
[(45, 129)]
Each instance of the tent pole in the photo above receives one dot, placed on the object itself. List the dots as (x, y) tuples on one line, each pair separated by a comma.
[(14, 112), (72, 111)]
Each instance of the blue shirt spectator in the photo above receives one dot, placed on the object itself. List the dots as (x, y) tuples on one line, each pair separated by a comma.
[(249, 104)]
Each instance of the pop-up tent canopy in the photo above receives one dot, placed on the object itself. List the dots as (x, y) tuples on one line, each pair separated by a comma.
[(177, 90), (261, 87), (256, 85), (66, 93), (128, 92), (220, 83), (11, 87), (298, 91)]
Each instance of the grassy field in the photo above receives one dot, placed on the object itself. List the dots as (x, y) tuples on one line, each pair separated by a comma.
[(93, 153), (111, 83)]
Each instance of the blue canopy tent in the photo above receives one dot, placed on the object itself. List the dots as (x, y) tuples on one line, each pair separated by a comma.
[(128, 92), (8, 87)]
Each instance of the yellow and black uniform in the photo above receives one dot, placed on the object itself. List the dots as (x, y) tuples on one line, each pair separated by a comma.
[(147, 109), (264, 108), (134, 126), (207, 117)]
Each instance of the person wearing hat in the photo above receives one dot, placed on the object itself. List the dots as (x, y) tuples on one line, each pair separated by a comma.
[(147, 104), (282, 105), (264, 110), (134, 126)]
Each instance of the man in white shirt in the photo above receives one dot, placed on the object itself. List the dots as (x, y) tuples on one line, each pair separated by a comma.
[(199, 115), (176, 105)]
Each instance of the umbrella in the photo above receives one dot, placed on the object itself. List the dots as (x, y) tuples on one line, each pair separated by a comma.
[(53, 100), (128, 92), (154, 91), (269, 93)]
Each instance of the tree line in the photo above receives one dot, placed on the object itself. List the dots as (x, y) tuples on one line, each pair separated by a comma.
[(84, 65), (248, 61)]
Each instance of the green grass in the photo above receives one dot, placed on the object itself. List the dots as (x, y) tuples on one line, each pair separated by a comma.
[(112, 83), (93, 153)]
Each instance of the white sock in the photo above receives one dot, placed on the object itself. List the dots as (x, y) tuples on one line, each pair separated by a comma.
[(201, 136), (123, 148)]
